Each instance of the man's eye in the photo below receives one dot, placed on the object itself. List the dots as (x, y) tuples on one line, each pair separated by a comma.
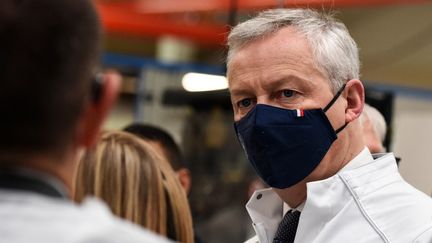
[(245, 103), (288, 93)]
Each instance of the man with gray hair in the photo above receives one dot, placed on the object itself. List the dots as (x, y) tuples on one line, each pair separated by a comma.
[(374, 129), (295, 89)]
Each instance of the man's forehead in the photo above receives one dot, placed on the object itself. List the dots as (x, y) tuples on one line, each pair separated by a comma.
[(273, 69), (282, 36), (286, 44)]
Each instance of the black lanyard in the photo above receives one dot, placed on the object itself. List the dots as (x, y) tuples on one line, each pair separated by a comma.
[(15, 180)]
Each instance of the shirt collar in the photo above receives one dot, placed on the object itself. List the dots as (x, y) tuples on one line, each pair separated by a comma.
[(26, 179), (361, 159), (287, 208)]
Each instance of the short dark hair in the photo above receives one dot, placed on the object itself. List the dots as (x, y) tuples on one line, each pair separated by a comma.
[(156, 134), (49, 52)]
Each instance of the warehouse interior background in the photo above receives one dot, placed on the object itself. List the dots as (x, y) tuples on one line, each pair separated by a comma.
[(154, 43)]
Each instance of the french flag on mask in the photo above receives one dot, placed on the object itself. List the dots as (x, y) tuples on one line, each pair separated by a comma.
[(300, 112)]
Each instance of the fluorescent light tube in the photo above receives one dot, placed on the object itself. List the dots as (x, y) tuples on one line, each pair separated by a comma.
[(197, 82)]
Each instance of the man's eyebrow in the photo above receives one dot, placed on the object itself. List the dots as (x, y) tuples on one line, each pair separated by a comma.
[(243, 89), (290, 80), (239, 92), (240, 89)]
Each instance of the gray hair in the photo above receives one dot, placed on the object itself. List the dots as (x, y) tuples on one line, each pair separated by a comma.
[(334, 50), (377, 120)]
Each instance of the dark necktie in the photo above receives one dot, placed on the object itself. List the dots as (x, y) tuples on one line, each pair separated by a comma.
[(287, 228)]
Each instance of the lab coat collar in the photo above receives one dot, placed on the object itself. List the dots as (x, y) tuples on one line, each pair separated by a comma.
[(361, 159), (325, 197)]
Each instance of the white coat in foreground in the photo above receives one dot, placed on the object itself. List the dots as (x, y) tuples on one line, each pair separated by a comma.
[(31, 217)]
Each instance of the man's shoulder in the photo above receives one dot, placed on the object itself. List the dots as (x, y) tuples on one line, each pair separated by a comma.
[(120, 231), (25, 216), (113, 229), (379, 184), (425, 236), (391, 205)]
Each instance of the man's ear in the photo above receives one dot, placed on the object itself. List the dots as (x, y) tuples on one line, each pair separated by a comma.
[(185, 179), (96, 110), (355, 96)]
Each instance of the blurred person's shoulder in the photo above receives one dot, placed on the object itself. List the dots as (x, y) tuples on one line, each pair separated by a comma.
[(111, 228), (30, 217)]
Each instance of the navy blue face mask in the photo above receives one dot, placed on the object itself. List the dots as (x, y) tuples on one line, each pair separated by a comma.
[(284, 146)]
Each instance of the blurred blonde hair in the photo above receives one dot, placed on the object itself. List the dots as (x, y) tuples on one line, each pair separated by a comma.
[(137, 185)]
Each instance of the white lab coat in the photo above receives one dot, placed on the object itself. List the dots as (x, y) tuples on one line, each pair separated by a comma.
[(369, 203), (32, 217)]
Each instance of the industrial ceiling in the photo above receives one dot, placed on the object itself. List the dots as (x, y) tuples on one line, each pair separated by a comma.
[(395, 36)]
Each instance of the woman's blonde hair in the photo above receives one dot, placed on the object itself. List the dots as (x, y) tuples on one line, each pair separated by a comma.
[(137, 184)]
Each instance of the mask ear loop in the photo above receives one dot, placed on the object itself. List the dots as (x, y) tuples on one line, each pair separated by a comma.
[(334, 98), (341, 128), (332, 102)]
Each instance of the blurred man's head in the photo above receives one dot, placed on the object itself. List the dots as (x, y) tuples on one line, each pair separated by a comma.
[(49, 52), (163, 143), (374, 129), (49, 56)]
